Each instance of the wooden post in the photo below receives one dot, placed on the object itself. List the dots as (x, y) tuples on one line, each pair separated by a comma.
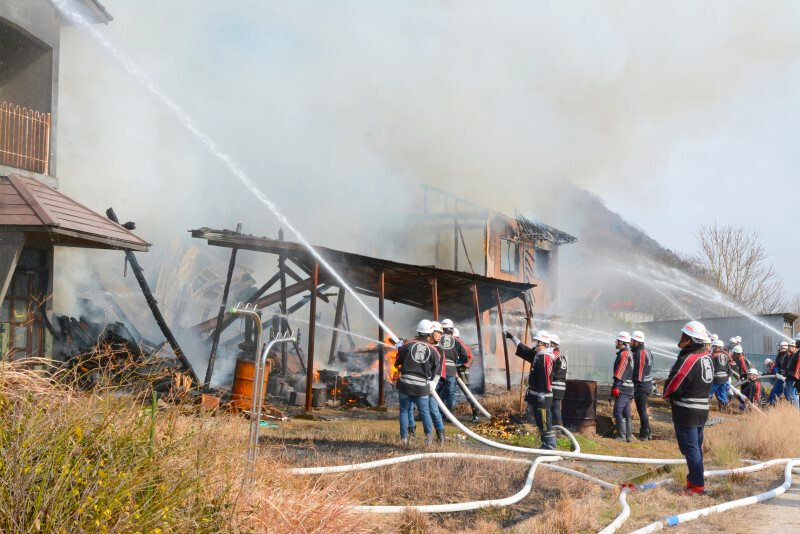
[(505, 345), (435, 286), (284, 319), (525, 340), (221, 314), (381, 351), (312, 328), (478, 323), (337, 323)]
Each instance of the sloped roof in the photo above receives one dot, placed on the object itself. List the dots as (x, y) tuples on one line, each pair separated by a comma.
[(30, 206), (539, 230), (90, 10)]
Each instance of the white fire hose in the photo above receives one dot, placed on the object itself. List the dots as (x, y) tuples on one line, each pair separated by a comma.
[(747, 501), (471, 397), (623, 515)]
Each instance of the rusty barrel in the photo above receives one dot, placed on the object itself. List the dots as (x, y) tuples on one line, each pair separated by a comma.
[(579, 409), (243, 381)]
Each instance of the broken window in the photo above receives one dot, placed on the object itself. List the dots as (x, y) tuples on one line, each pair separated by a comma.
[(509, 256), (541, 260)]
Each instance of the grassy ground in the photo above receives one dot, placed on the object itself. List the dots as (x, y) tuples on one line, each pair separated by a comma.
[(111, 463)]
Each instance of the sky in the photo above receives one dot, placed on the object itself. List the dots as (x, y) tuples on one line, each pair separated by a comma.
[(677, 114)]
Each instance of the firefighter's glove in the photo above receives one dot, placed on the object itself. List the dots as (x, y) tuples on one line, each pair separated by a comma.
[(780, 377), (508, 334), (615, 392)]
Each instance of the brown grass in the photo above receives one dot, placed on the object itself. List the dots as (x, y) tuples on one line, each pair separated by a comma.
[(776, 434)]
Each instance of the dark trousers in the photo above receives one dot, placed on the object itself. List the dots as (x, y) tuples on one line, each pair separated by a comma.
[(690, 442), (556, 410), (640, 398), (542, 413), (622, 406)]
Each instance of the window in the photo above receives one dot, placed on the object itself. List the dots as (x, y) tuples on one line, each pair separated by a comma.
[(509, 256), (541, 263)]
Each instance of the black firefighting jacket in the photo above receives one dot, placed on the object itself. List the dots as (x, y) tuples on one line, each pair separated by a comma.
[(722, 367), (558, 379), (752, 390), (623, 371), (780, 364), (793, 369), (741, 365), (688, 386), (418, 362), (541, 370), (450, 348), (642, 366)]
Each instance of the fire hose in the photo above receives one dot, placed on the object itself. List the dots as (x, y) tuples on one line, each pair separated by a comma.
[(471, 397)]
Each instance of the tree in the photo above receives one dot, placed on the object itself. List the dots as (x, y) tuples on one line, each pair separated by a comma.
[(736, 263)]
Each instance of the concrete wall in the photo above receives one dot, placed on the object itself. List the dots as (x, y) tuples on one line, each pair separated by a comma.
[(37, 20)]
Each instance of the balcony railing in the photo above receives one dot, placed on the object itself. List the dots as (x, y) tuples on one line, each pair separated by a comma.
[(24, 138)]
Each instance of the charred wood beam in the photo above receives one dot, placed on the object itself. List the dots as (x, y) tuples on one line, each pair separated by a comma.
[(505, 345), (282, 273), (312, 328), (337, 322), (221, 314), (151, 302), (269, 300)]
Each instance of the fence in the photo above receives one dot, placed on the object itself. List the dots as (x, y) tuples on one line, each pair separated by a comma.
[(24, 138)]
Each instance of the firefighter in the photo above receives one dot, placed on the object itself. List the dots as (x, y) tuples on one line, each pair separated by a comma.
[(778, 368), (792, 373), (722, 373), (558, 379), (751, 389), (622, 388), (463, 366), (740, 363), (418, 361), (642, 381), (540, 391), (687, 389), (452, 351), (732, 343), (436, 415)]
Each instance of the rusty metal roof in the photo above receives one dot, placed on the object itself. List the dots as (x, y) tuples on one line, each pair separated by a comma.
[(404, 283), (27, 205)]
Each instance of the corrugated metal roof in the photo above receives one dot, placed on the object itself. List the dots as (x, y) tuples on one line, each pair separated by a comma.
[(29, 205)]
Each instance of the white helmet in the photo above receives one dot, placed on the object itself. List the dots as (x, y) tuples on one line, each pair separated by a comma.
[(456, 333), (437, 327), (697, 331), (637, 335), (554, 339), (752, 371), (447, 323), (737, 349), (624, 337), (738, 339), (718, 343), (714, 337), (425, 327), (732, 340), (768, 361), (543, 336), (783, 344)]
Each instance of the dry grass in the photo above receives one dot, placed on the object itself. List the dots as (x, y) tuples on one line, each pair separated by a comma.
[(776, 434)]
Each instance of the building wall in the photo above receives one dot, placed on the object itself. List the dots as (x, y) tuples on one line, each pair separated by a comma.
[(37, 84)]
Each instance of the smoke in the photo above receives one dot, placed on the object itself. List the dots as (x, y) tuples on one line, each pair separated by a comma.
[(341, 110)]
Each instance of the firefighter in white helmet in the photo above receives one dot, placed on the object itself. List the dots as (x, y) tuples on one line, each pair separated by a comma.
[(778, 368), (454, 352), (436, 415), (642, 381), (540, 391), (463, 371), (687, 388), (622, 387), (722, 374), (419, 364), (751, 389), (559, 378), (792, 372)]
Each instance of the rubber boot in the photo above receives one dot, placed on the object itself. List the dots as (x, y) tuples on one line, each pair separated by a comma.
[(474, 415), (621, 432), (645, 434), (429, 439), (440, 436), (549, 441), (404, 442), (412, 432), (628, 430)]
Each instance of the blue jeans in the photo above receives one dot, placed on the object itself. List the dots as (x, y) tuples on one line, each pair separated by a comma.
[(690, 442), (721, 391), (407, 412), (436, 415), (789, 392), (448, 391), (776, 393)]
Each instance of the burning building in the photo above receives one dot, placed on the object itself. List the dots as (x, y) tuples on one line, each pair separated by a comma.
[(34, 216)]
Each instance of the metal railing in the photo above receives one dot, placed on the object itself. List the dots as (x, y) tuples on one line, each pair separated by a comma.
[(24, 138)]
